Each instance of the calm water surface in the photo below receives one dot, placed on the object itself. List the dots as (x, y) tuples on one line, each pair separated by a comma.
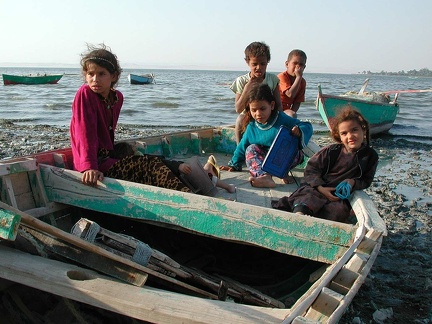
[(184, 98)]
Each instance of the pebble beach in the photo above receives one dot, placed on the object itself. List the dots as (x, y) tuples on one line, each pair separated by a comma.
[(399, 286)]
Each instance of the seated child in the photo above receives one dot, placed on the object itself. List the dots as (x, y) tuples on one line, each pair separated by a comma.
[(203, 180), (334, 172), (257, 57), (263, 123), (184, 170)]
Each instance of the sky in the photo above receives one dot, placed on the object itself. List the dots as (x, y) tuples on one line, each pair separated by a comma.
[(337, 36)]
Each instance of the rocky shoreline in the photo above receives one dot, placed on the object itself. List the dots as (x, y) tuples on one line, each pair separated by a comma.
[(399, 286)]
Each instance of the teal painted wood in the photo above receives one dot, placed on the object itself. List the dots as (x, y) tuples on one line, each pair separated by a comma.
[(9, 223), (201, 142), (17, 166), (292, 234), (380, 116), (224, 141), (141, 79), (31, 79)]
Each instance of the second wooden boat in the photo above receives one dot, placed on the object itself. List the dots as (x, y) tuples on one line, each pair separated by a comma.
[(141, 79), (377, 108), (9, 79)]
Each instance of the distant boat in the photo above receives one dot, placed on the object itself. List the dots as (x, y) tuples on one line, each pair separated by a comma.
[(9, 79), (141, 79), (376, 107)]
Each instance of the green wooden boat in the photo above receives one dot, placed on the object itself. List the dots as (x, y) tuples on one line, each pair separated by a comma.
[(227, 258), (377, 108), (9, 79)]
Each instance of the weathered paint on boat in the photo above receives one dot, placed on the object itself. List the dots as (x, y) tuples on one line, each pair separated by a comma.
[(314, 239), (141, 79), (380, 115), (41, 186), (9, 79)]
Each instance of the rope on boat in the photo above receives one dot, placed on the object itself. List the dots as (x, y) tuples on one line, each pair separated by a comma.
[(88, 230), (142, 254), (91, 231), (343, 190)]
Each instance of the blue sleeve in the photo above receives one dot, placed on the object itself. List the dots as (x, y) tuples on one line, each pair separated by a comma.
[(307, 132), (240, 151)]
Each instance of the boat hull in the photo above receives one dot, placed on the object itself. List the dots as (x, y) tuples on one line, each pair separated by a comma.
[(140, 79), (30, 79), (276, 266), (381, 116)]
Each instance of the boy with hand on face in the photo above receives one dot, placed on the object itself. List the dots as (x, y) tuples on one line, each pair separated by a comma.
[(292, 84)]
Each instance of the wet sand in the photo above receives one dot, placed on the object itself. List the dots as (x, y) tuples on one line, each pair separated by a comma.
[(399, 286)]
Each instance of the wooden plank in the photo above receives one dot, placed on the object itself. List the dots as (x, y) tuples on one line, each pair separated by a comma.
[(343, 282), (60, 160), (252, 293), (89, 259), (58, 157), (293, 234), (304, 303), (38, 189), (324, 306), (69, 238), (370, 241), (303, 320), (17, 166), (148, 304), (337, 314), (365, 209), (126, 246), (9, 193), (19, 183), (133, 244), (51, 207)]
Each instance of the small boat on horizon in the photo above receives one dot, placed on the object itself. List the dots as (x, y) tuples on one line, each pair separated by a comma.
[(376, 107), (141, 79), (9, 79)]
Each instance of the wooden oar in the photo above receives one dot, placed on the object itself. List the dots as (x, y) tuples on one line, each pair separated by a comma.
[(74, 240)]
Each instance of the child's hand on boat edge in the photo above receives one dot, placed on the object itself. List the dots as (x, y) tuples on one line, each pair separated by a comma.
[(91, 177)]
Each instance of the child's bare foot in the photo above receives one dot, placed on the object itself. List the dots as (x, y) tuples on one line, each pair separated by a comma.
[(231, 188), (265, 181), (221, 184)]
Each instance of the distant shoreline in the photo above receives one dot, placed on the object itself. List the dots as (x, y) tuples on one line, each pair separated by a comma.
[(128, 67)]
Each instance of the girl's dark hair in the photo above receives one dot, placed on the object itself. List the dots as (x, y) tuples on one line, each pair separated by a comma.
[(122, 150), (102, 56), (348, 113), (258, 92)]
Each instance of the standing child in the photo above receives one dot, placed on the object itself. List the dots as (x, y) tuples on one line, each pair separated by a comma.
[(292, 84), (265, 121), (334, 172), (257, 57)]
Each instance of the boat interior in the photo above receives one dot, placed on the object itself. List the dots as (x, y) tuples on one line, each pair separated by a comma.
[(184, 260)]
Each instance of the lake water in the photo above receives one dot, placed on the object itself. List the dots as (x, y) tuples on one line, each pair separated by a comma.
[(184, 98)]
